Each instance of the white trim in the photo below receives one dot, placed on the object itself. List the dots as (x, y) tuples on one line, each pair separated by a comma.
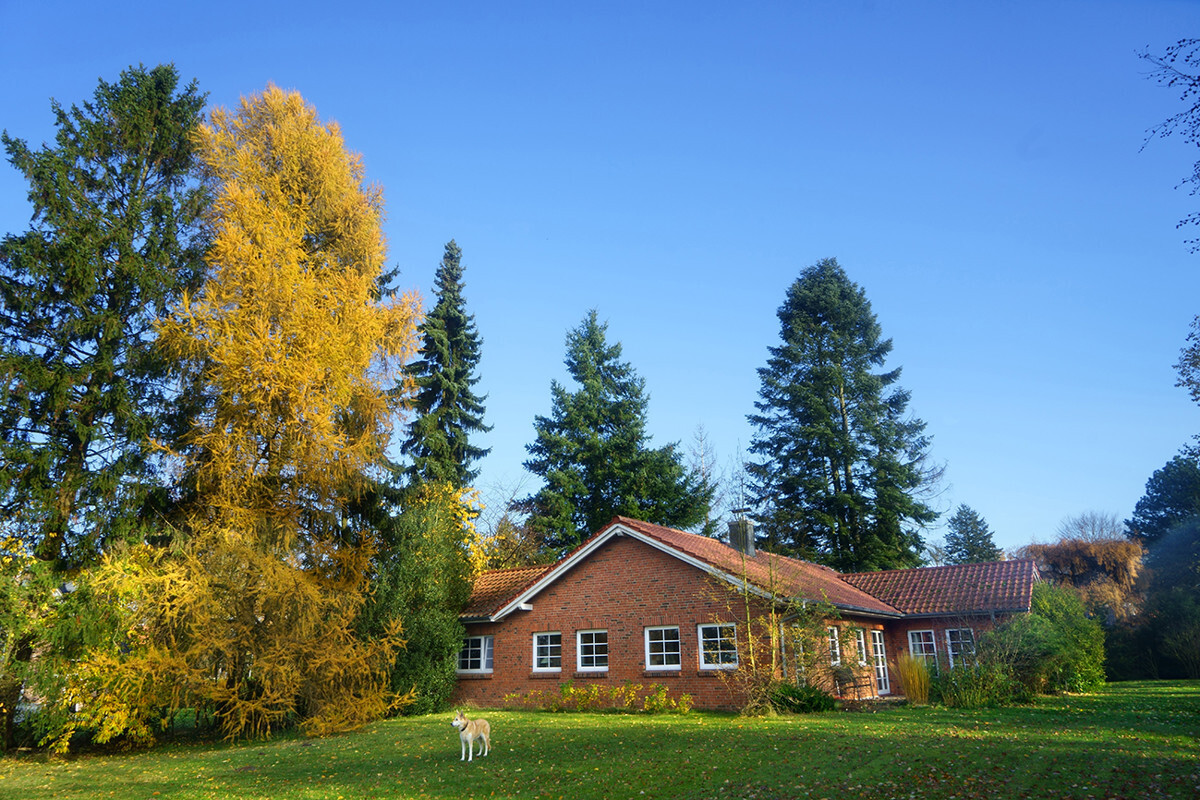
[(860, 641), (612, 531), (678, 652), (486, 656), (835, 646), (579, 650), (932, 641), (536, 668), (950, 645), (701, 654), (883, 683)]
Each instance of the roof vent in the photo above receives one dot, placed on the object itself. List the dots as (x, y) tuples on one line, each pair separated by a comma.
[(741, 532)]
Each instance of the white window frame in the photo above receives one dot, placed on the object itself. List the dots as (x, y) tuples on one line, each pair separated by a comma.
[(879, 656), (592, 655), (835, 646), (663, 651), (486, 651), (543, 649), (725, 633), (860, 640), (954, 648), (917, 643)]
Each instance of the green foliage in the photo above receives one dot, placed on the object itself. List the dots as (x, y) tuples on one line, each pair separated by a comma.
[(969, 541), (801, 699), (447, 408), (840, 463), (116, 239), (980, 683), (593, 452), (626, 698), (1056, 647), (1172, 498)]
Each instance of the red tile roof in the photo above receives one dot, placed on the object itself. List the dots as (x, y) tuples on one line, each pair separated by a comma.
[(969, 588), (991, 586), (773, 573), (496, 588)]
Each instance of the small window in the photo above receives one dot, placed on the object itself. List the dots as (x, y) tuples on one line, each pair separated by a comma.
[(880, 659), (921, 645), (547, 652), (860, 641), (592, 650), (718, 646), (960, 645), (476, 654), (662, 648), (835, 647)]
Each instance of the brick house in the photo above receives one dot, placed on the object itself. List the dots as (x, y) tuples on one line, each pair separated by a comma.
[(648, 604)]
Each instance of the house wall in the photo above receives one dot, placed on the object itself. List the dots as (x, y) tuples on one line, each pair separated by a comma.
[(897, 639), (624, 587)]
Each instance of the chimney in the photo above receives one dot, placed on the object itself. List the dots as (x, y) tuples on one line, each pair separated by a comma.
[(741, 532)]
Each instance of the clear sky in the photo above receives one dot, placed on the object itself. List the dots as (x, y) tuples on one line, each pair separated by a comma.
[(976, 167)]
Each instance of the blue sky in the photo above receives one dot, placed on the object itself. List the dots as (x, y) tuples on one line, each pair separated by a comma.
[(977, 168)]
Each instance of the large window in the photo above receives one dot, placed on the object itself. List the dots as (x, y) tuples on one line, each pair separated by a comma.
[(860, 641), (879, 658), (835, 646), (547, 652), (662, 648), (960, 645), (921, 645), (718, 646), (476, 654), (591, 648)]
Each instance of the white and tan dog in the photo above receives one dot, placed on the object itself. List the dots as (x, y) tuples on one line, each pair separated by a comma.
[(468, 731)]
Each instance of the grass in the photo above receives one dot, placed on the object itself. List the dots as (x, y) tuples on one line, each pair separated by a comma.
[(1136, 740)]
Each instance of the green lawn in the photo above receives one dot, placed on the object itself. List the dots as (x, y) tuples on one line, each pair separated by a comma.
[(1136, 740)]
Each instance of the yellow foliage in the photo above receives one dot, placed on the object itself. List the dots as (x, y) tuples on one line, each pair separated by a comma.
[(462, 507), (250, 615)]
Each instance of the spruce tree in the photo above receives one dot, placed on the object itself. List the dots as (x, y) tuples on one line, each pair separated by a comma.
[(115, 240), (969, 541), (447, 409), (837, 464), (594, 454)]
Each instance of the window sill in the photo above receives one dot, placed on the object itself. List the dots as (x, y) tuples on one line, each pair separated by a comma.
[(591, 673), (542, 675), (474, 676)]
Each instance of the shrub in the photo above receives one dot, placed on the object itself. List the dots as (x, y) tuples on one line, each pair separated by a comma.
[(914, 678), (593, 697), (801, 699), (982, 684)]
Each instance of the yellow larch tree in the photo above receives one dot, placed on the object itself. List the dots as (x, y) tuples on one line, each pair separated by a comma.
[(249, 615)]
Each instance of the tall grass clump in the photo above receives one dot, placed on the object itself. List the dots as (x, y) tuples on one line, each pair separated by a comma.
[(915, 678)]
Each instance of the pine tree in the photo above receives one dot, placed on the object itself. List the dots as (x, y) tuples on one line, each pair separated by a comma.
[(447, 409), (115, 242), (839, 464), (968, 540), (593, 451)]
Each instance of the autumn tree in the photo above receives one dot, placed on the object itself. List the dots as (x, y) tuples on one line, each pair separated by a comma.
[(838, 465), (1178, 68), (251, 614), (594, 454), (969, 540), (447, 409), (1102, 570), (115, 241)]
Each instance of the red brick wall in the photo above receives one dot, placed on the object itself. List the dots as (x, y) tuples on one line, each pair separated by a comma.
[(624, 586), (897, 637)]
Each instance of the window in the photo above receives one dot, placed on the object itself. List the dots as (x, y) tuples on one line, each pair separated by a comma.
[(718, 646), (662, 648), (476, 654), (879, 658), (591, 648), (835, 647), (921, 645), (960, 644), (860, 641), (547, 652)]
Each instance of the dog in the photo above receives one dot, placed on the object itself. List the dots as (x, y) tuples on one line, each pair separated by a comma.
[(468, 731)]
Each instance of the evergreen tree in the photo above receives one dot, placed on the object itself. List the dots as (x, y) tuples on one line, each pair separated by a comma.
[(115, 240), (593, 451), (447, 409), (1172, 498), (839, 465), (969, 541)]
